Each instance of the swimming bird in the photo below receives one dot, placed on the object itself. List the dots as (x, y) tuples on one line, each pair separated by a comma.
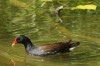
[(51, 49)]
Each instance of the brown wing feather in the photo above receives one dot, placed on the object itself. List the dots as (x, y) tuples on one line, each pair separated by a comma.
[(56, 46)]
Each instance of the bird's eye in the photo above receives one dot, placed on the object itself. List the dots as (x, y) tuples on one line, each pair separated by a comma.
[(18, 39)]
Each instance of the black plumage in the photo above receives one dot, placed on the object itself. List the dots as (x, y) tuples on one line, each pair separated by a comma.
[(50, 49)]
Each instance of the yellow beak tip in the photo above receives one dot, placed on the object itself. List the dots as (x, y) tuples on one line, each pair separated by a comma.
[(13, 45)]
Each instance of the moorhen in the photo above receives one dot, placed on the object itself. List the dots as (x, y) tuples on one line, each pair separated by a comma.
[(52, 49)]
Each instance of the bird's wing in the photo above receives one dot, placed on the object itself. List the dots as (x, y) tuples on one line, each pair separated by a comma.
[(56, 46)]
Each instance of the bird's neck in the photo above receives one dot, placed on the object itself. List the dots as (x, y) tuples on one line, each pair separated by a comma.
[(28, 45)]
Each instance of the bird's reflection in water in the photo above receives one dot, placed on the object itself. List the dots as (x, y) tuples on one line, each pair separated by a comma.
[(30, 58), (13, 62)]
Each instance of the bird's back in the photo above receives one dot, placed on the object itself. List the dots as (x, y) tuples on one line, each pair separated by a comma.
[(55, 48)]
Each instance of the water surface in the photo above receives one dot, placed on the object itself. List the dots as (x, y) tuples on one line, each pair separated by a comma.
[(38, 21)]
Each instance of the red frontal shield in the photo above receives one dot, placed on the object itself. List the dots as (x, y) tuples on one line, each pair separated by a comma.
[(14, 43)]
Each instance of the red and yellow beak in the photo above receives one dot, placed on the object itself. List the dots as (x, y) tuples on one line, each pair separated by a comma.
[(14, 43)]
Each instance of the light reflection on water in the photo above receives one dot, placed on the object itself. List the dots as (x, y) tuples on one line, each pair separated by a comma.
[(79, 25)]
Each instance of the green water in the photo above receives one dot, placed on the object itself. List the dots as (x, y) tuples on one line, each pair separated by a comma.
[(37, 20), (87, 54)]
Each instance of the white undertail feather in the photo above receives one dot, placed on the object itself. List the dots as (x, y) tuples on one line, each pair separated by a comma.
[(72, 48)]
